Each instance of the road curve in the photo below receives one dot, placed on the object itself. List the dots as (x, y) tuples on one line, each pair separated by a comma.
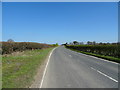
[(69, 69)]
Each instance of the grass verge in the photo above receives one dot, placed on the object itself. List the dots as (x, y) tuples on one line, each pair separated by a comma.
[(18, 71), (100, 56)]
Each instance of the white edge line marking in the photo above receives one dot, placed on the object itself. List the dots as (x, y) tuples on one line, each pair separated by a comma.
[(104, 74), (46, 68), (96, 57)]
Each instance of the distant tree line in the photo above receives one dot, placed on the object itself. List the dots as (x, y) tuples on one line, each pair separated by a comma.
[(89, 43), (107, 49), (55, 44)]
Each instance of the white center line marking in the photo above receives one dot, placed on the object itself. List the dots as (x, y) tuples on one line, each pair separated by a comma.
[(104, 74), (70, 55)]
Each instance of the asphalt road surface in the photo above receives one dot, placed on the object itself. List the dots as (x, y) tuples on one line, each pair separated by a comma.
[(69, 69)]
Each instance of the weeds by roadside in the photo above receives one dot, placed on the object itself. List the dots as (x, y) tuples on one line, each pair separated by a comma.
[(19, 70)]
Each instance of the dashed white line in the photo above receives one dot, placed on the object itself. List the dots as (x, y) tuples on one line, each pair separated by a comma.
[(93, 68), (104, 74), (46, 68), (70, 55)]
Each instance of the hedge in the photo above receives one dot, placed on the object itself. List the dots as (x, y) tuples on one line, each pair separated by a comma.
[(10, 47), (107, 50)]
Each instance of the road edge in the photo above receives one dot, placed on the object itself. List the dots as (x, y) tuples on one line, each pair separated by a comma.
[(48, 60), (93, 56)]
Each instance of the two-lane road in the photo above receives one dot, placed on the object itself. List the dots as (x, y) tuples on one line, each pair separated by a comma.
[(69, 69)]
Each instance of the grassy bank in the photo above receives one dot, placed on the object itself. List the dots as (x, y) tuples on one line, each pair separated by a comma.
[(19, 69), (100, 56)]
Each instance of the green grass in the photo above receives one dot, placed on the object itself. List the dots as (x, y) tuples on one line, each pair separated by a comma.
[(18, 71), (100, 56)]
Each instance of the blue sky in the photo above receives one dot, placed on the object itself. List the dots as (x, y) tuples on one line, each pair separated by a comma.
[(60, 22)]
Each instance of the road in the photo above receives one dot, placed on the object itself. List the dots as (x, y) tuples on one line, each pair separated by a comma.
[(69, 69)]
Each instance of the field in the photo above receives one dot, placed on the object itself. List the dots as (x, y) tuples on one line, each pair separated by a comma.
[(109, 52), (19, 68)]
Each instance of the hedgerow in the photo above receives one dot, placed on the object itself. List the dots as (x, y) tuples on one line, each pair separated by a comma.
[(107, 50), (10, 47)]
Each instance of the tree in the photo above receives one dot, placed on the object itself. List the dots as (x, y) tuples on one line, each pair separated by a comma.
[(56, 44), (89, 43), (66, 43), (100, 43), (94, 43), (10, 40), (75, 42)]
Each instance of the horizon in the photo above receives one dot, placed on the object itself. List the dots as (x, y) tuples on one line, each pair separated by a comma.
[(60, 22), (61, 43)]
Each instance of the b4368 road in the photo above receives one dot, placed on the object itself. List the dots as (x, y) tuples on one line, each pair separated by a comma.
[(69, 69)]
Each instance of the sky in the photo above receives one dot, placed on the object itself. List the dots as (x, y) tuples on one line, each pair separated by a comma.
[(60, 22), (0, 21)]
